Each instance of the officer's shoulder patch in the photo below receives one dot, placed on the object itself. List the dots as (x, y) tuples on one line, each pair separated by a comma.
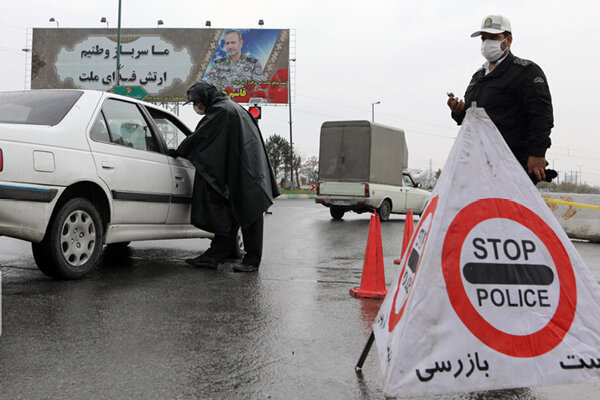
[(251, 60), (220, 60), (521, 62), (538, 79)]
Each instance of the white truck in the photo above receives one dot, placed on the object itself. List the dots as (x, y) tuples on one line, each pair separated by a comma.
[(361, 169)]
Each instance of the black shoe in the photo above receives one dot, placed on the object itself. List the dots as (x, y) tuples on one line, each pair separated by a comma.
[(245, 268), (203, 261)]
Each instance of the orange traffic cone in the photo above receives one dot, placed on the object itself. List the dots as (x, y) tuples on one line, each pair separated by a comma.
[(409, 228), (372, 282)]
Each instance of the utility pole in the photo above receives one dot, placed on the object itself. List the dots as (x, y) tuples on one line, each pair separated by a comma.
[(118, 72), (290, 107), (580, 165)]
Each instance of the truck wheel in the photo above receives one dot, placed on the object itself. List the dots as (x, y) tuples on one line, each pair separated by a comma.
[(336, 212), (73, 242), (384, 210)]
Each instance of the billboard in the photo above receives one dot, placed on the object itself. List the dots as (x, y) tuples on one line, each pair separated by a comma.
[(244, 63)]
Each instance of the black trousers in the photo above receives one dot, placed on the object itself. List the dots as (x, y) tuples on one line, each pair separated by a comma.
[(223, 246)]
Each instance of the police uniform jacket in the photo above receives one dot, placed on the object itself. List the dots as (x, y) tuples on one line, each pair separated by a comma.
[(516, 97)]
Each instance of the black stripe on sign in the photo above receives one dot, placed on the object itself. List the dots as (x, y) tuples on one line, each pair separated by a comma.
[(27, 194), (508, 274), (413, 260)]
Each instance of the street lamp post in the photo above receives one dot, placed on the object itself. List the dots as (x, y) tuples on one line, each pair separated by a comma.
[(159, 23), (373, 110), (104, 20), (290, 108), (26, 51), (52, 19)]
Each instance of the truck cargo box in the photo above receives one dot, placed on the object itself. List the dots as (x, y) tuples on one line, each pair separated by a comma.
[(362, 151)]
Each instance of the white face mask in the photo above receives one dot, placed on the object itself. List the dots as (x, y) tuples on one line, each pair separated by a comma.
[(491, 51), (198, 111)]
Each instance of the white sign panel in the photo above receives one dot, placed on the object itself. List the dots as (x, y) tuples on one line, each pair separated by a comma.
[(147, 61), (492, 294)]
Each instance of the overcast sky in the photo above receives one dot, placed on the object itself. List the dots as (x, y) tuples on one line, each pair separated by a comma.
[(353, 53)]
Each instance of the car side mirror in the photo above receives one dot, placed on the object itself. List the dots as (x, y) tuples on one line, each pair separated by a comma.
[(418, 184)]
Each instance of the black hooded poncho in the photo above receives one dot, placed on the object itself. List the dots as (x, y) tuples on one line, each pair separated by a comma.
[(234, 181)]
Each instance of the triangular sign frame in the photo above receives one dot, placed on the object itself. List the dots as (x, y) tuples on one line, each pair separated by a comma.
[(491, 294)]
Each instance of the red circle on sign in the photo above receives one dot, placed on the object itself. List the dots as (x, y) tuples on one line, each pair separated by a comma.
[(536, 343)]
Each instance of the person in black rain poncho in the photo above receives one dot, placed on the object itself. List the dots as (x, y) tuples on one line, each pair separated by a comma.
[(234, 182)]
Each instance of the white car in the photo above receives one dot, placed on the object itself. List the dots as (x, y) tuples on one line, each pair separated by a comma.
[(80, 169)]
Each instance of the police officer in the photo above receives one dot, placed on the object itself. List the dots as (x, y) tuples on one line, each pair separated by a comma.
[(514, 92), (236, 67)]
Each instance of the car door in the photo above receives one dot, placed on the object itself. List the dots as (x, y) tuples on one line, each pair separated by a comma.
[(414, 199), (128, 159), (173, 132)]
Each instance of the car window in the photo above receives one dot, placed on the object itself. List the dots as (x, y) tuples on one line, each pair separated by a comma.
[(127, 126), (168, 127), (36, 107), (407, 181), (99, 130)]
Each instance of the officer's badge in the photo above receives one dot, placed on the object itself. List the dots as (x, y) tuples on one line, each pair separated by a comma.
[(487, 23), (538, 79)]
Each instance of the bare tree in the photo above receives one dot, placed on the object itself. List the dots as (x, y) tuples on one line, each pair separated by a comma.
[(310, 169)]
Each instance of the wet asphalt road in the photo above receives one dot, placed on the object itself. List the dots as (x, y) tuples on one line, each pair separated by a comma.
[(147, 326)]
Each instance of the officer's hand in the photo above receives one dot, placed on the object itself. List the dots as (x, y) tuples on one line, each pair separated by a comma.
[(536, 166), (456, 106)]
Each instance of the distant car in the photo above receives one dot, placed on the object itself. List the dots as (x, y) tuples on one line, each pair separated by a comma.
[(80, 169), (360, 197)]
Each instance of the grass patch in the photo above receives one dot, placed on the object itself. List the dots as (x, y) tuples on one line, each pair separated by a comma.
[(297, 191)]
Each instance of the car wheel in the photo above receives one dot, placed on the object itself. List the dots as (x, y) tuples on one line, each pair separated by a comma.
[(336, 212), (73, 242), (238, 249), (384, 210), (41, 257)]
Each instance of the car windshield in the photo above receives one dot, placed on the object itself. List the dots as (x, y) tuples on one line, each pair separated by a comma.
[(36, 107)]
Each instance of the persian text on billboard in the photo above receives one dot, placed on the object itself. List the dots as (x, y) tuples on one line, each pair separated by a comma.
[(244, 63)]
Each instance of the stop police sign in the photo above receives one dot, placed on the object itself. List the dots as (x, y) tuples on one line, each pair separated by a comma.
[(509, 277)]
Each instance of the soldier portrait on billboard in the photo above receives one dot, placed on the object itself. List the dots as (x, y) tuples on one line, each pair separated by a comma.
[(236, 67)]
